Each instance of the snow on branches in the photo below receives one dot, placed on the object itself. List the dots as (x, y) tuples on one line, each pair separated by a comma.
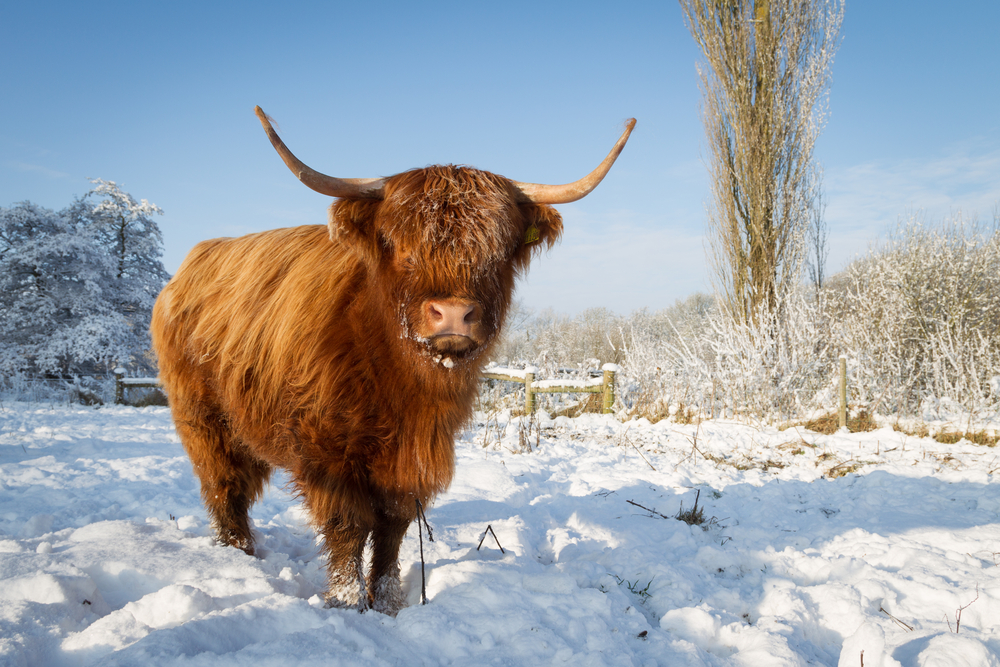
[(77, 286)]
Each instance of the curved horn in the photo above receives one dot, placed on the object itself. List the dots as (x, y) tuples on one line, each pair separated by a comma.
[(536, 193), (368, 188)]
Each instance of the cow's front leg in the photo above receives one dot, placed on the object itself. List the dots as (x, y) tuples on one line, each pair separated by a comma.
[(345, 546), (391, 525)]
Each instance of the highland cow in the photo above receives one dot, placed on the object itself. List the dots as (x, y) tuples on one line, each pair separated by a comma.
[(349, 354)]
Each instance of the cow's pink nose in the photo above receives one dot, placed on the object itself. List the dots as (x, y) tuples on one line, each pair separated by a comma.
[(451, 317)]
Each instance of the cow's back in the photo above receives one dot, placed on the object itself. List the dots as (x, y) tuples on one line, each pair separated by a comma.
[(242, 317)]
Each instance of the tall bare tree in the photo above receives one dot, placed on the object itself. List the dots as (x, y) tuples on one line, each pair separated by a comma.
[(764, 77), (818, 250)]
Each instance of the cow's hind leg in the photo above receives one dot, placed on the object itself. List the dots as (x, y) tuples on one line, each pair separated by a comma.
[(383, 578), (231, 479)]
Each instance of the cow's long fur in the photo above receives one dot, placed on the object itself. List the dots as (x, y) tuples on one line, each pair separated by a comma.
[(304, 349)]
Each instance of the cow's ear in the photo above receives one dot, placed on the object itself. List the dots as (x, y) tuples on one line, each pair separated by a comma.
[(542, 228), (352, 224)]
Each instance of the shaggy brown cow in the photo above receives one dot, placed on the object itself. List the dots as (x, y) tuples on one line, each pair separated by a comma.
[(349, 354)]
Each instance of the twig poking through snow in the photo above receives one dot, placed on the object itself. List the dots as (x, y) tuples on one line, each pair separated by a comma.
[(489, 529), (649, 510), (958, 612), (896, 620), (423, 518), (421, 523), (624, 438)]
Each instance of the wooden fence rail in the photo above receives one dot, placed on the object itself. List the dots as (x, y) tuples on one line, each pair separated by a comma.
[(123, 383), (604, 385)]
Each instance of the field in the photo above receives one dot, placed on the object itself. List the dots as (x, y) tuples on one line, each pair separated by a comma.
[(808, 550)]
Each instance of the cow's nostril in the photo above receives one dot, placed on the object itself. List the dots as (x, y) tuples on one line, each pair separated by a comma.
[(472, 316)]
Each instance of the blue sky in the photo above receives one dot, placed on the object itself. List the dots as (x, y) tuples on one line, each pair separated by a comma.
[(159, 97)]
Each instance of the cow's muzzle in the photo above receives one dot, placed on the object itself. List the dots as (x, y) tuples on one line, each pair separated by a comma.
[(452, 325)]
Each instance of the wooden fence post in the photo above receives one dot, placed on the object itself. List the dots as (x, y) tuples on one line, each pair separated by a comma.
[(119, 387), (609, 388), (843, 391), (529, 394)]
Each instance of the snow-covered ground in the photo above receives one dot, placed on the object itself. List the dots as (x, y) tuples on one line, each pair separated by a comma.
[(106, 558)]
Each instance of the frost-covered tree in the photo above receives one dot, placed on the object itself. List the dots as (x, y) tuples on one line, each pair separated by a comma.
[(818, 251), (77, 286), (53, 313), (766, 69), (25, 231), (124, 230)]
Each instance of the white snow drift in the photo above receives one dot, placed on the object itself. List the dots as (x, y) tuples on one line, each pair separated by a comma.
[(106, 557)]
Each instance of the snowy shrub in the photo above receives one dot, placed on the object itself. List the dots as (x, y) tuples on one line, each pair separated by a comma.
[(920, 317), (552, 342), (778, 365), (774, 366), (665, 357)]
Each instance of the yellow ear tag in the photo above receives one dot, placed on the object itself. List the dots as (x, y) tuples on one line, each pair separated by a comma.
[(531, 235)]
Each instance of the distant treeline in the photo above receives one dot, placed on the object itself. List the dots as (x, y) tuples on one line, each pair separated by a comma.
[(918, 319)]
